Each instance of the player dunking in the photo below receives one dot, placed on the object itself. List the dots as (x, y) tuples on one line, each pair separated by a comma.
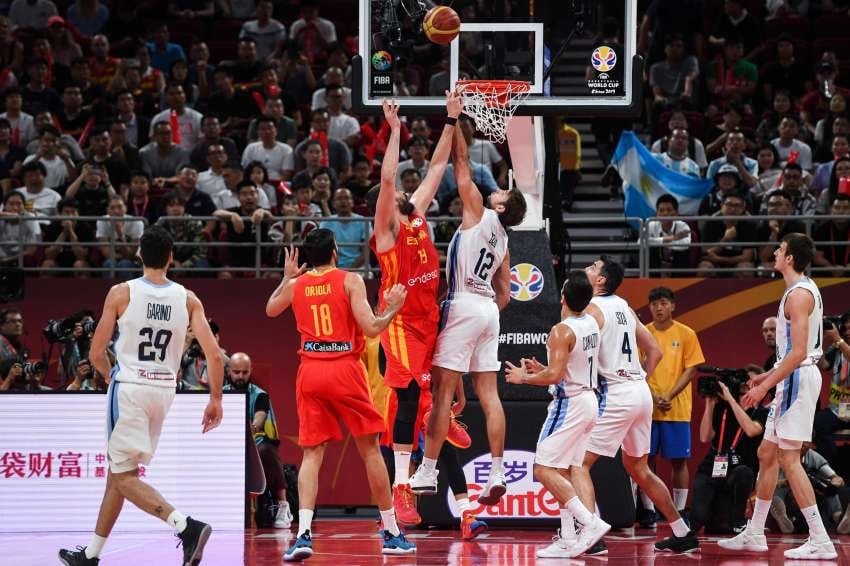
[(572, 351), (152, 314), (332, 313), (792, 412), (478, 275), (408, 256), (625, 405)]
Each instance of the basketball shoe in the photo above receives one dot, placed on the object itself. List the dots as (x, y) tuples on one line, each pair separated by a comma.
[(404, 504), (495, 488), (471, 526), (813, 550), (457, 435), (424, 483), (194, 538), (560, 548), (745, 541), (397, 544), (77, 557), (302, 548), (283, 520)]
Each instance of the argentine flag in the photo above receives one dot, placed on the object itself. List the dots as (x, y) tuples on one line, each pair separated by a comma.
[(645, 179)]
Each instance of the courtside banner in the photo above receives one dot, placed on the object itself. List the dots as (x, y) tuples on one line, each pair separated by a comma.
[(53, 463)]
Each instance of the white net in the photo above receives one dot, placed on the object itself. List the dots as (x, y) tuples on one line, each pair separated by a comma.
[(491, 104)]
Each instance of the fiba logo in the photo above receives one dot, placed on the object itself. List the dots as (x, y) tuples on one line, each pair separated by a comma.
[(526, 282), (381, 61), (603, 59)]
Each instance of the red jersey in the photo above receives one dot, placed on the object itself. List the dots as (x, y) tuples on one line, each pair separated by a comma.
[(324, 317), (101, 75), (413, 261)]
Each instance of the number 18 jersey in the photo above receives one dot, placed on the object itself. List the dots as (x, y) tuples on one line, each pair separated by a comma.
[(474, 255), (151, 333)]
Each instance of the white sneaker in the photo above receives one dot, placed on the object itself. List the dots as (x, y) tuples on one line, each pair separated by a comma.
[(283, 520), (813, 550), (589, 535), (745, 541), (560, 548), (494, 490), (424, 483)]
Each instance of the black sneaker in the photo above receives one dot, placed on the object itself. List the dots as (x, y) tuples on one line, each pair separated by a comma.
[(597, 549), (647, 519), (77, 557), (194, 538), (679, 545)]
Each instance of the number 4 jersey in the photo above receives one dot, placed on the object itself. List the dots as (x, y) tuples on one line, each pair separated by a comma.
[(619, 358), (151, 334), (474, 255)]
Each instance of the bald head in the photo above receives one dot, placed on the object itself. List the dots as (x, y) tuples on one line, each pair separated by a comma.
[(240, 369), (768, 331)]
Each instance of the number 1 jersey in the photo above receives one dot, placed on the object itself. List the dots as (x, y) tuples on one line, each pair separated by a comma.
[(474, 255), (324, 318), (151, 334)]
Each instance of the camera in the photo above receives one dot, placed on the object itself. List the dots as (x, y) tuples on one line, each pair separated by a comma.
[(62, 330), (709, 385), (832, 322), (33, 368)]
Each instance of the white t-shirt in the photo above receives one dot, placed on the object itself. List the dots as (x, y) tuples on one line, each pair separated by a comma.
[(276, 160), (325, 27), (57, 171), (343, 126), (133, 229), (484, 152), (210, 183), (226, 199), (26, 231), (41, 203), (190, 126), (320, 99), (657, 233), (408, 164), (26, 127), (804, 159), (266, 38)]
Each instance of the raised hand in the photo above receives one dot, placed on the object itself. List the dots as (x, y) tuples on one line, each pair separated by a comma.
[(391, 113), (291, 269), (454, 104), (514, 374)]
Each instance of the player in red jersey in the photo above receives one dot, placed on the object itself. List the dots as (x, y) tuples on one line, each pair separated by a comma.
[(408, 256), (332, 313)]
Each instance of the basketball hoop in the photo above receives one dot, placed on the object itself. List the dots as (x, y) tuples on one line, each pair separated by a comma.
[(491, 104)]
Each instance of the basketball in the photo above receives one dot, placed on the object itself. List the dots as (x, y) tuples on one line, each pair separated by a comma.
[(441, 24)]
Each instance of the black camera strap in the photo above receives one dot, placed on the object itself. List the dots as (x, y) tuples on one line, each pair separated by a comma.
[(723, 430)]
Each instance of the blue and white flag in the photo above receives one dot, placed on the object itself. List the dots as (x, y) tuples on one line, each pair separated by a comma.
[(645, 179)]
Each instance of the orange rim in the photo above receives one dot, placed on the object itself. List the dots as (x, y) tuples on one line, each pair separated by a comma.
[(501, 89)]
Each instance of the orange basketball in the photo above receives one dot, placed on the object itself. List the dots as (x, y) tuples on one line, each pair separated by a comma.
[(441, 24)]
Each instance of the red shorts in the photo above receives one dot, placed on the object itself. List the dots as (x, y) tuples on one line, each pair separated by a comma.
[(392, 409), (329, 390), (408, 344)]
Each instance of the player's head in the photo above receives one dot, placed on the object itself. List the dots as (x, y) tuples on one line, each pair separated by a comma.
[(320, 247), (662, 303), (510, 205), (577, 291), (402, 200), (155, 247), (605, 274), (795, 251)]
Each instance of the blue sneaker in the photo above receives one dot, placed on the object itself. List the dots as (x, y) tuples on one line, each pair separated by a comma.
[(397, 544), (301, 549)]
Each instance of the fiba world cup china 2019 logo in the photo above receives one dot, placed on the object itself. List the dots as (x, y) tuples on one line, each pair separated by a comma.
[(526, 282), (603, 59), (381, 61)]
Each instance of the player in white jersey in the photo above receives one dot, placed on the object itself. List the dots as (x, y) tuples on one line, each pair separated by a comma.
[(478, 275), (625, 403), (152, 314), (792, 412), (572, 351)]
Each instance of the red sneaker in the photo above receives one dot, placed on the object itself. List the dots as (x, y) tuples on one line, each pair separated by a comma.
[(404, 504), (470, 526), (457, 435)]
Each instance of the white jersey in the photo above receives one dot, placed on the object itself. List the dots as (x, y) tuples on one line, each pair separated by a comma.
[(619, 359), (583, 361), (474, 256), (814, 349), (151, 333)]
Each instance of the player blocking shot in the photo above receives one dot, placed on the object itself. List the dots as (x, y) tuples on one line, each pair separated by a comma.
[(572, 351), (478, 277), (625, 403), (332, 313), (798, 383), (152, 314)]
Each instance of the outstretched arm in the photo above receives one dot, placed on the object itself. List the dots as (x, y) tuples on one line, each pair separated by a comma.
[(370, 324), (473, 202), (426, 191), (385, 219), (502, 282)]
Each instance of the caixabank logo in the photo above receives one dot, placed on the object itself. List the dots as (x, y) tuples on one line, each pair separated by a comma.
[(526, 498), (526, 282)]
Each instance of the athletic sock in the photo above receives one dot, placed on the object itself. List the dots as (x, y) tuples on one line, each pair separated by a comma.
[(647, 502), (95, 546), (497, 464), (634, 491), (568, 525), (388, 520), (680, 498), (402, 467), (428, 464), (463, 505), (177, 520), (760, 511), (305, 520), (816, 528), (680, 527), (579, 511)]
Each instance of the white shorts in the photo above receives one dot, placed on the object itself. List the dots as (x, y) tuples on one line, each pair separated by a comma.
[(792, 412), (134, 417), (567, 429), (625, 419), (469, 335)]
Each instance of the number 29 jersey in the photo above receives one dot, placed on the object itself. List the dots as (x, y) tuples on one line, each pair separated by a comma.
[(151, 334), (474, 255)]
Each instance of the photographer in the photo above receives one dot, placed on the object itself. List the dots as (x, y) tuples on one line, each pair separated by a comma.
[(19, 376), (837, 359), (731, 464), (193, 367), (11, 331), (75, 343), (86, 378)]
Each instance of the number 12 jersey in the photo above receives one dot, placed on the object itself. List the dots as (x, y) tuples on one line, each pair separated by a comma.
[(474, 256)]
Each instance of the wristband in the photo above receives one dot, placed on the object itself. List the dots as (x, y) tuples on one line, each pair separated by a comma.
[(451, 121)]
